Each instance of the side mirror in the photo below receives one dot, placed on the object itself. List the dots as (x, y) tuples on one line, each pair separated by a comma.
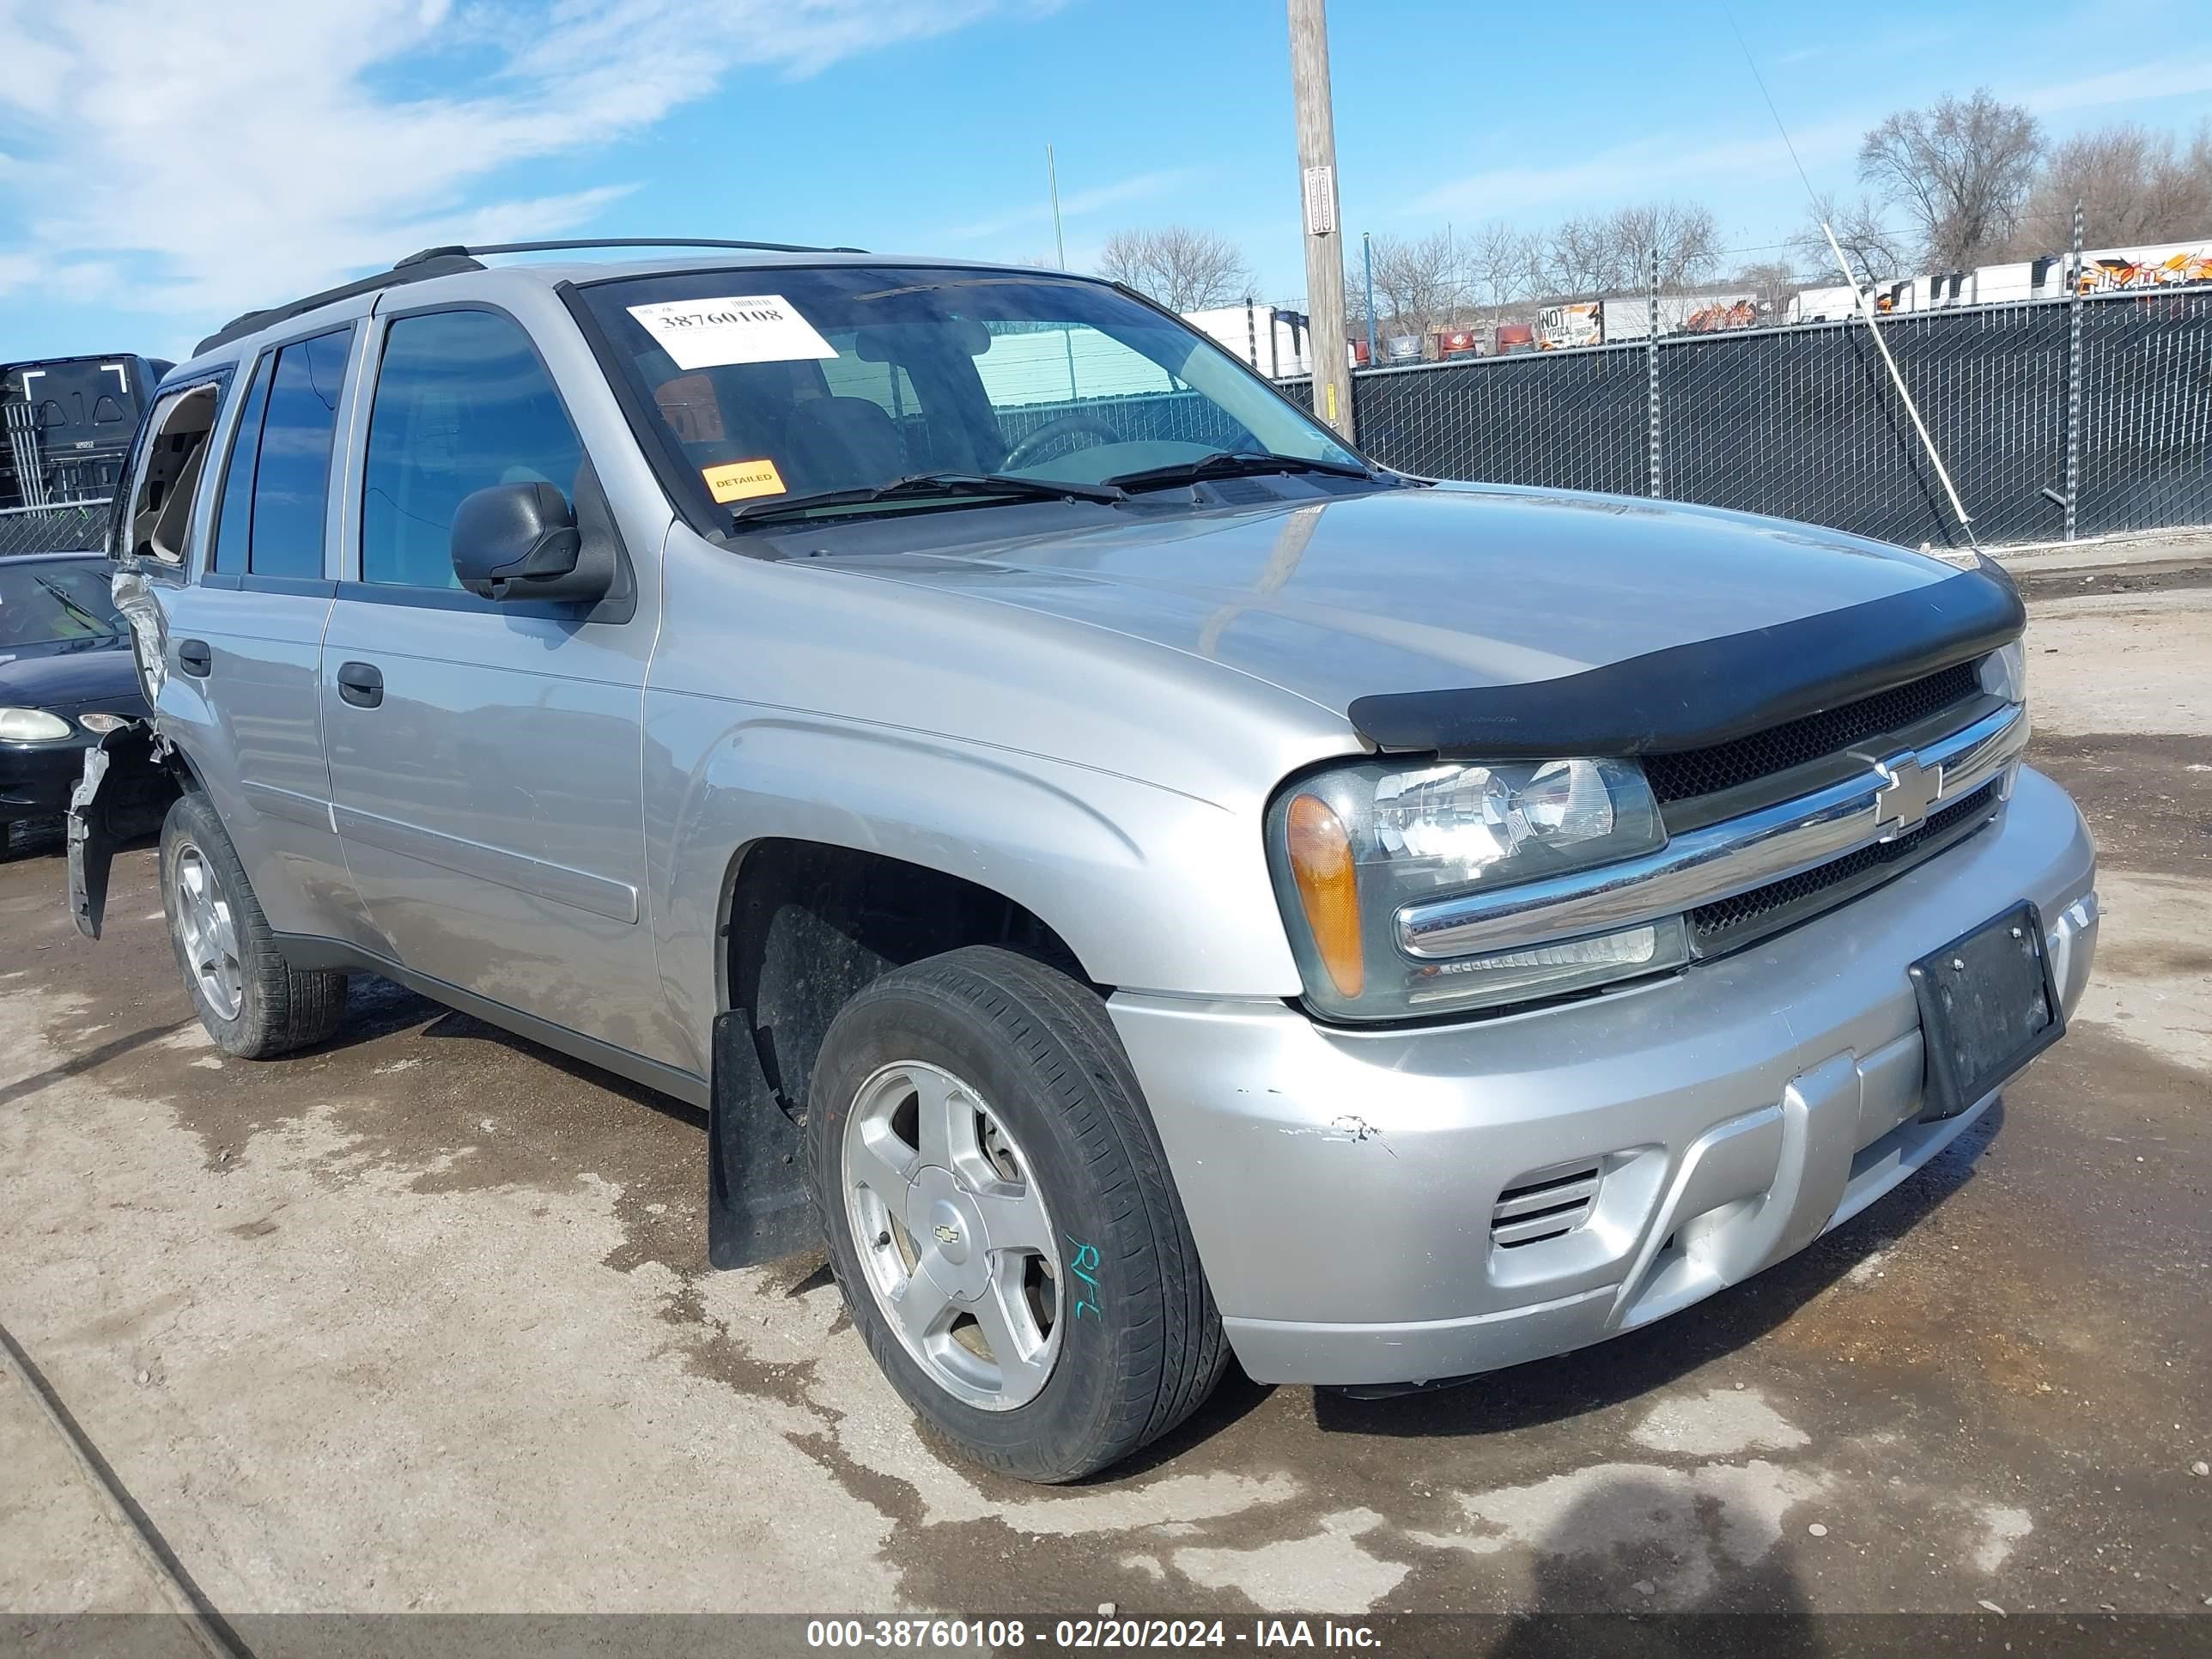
[(520, 541)]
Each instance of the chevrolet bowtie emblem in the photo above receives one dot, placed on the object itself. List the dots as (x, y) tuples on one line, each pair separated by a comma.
[(1910, 789), (947, 1235)]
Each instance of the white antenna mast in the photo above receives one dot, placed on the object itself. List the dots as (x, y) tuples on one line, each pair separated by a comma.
[(1863, 297)]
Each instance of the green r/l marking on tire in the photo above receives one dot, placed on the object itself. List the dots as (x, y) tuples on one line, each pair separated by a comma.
[(1086, 1256)]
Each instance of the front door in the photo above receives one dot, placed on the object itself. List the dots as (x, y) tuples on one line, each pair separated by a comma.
[(485, 756)]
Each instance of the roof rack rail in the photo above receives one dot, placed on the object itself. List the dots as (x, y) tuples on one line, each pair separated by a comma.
[(615, 241), (253, 322), (444, 261)]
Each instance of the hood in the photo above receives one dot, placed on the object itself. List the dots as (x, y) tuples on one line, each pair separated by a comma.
[(67, 674), (1419, 590)]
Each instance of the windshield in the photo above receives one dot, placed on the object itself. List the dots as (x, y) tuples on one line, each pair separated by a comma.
[(45, 600), (778, 384)]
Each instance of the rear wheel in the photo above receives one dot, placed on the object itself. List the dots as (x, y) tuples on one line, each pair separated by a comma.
[(252, 1002), (999, 1217)]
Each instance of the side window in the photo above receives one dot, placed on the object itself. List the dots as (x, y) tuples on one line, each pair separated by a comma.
[(292, 479), (462, 403), (168, 475), (234, 507)]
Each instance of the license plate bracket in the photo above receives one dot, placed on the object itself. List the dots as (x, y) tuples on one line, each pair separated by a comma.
[(1989, 1004)]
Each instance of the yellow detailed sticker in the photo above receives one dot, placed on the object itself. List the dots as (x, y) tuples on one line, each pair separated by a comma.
[(742, 480)]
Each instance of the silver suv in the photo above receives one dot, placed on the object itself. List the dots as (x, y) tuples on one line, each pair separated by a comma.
[(1136, 880)]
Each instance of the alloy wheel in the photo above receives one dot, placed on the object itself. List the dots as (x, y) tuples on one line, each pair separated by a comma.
[(207, 932), (953, 1234)]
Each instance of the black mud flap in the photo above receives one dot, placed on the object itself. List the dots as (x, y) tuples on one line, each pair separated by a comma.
[(91, 838), (757, 1206)]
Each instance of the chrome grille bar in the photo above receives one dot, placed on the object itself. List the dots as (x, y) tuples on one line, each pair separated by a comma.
[(1716, 862)]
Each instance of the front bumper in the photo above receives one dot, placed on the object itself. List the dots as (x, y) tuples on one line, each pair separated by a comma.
[(35, 778), (1341, 1185)]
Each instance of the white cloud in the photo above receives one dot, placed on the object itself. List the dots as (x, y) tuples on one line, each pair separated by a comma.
[(1074, 205), (196, 159), (2160, 78), (1651, 166), (1664, 162)]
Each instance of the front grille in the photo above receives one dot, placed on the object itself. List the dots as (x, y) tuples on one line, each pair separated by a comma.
[(1544, 1204), (1730, 921), (1695, 772)]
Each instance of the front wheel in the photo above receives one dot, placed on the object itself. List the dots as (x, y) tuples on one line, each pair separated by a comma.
[(1000, 1220)]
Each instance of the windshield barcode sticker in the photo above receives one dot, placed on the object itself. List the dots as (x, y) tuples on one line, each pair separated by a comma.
[(746, 328)]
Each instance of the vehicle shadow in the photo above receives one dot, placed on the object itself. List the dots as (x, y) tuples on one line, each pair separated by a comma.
[(90, 1060), (1635, 1534), (1624, 1367), (377, 1007)]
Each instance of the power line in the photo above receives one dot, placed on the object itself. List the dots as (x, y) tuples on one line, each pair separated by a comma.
[(1811, 195)]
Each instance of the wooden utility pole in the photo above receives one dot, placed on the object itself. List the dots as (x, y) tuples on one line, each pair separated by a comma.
[(1332, 374)]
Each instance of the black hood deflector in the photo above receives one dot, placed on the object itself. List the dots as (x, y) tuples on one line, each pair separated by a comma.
[(1710, 691)]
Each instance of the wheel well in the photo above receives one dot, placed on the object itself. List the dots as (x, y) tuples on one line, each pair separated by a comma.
[(179, 766), (806, 925)]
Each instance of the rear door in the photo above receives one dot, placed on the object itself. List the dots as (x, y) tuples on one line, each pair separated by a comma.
[(244, 641), (485, 757)]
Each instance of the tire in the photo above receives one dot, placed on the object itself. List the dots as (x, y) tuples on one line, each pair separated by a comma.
[(273, 1008), (1135, 1344)]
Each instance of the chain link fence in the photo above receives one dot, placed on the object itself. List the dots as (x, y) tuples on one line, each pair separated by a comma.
[(1804, 421), (77, 527)]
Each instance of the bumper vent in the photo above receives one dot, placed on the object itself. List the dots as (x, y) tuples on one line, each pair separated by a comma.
[(1544, 1204), (1695, 772)]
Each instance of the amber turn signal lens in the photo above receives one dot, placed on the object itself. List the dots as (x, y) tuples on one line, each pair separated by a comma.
[(1320, 864)]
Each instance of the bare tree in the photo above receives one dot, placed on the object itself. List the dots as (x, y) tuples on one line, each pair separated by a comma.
[(1874, 249), (2134, 185), (1580, 258), (1417, 283), (1610, 253), (1184, 269), (1504, 266), (1770, 282), (1686, 236), (1959, 169)]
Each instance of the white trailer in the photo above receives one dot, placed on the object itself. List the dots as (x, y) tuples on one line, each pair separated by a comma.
[(1260, 335)]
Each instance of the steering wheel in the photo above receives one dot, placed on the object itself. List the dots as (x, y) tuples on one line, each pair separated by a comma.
[(1032, 446)]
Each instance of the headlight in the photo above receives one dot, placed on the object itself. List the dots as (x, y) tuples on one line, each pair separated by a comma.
[(31, 726), (100, 725), (2003, 672), (1348, 848)]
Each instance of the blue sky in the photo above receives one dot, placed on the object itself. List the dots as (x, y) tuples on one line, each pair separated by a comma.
[(163, 167)]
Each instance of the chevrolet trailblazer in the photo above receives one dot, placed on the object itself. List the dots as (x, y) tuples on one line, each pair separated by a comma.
[(1135, 880)]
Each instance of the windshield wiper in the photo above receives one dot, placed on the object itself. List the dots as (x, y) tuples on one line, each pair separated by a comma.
[(1230, 463), (980, 486), (67, 603)]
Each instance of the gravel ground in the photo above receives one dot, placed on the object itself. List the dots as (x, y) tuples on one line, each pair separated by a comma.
[(422, 1321)]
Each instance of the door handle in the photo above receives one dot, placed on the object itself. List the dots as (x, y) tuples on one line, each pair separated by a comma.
[(194, 658), (361, 683)]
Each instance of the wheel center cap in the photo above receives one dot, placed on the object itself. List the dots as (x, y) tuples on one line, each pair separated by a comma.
[(945, 1222), (952, 1237)]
